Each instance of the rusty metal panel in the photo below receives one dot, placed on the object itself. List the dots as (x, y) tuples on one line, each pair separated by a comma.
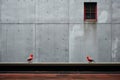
[(52, 43)]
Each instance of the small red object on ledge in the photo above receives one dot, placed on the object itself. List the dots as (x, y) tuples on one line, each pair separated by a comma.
[(30, 58)]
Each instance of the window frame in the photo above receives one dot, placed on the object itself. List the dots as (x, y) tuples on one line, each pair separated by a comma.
[(95, 12)]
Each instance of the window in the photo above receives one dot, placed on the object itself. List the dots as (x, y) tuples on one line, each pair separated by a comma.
[(90, 11)]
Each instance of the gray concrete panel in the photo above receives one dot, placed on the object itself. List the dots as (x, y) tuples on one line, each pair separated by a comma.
[(0, 10), (43, 43), (52, 11), (76, 11), (1, 46), (115, 11), (104, 42), (62, 42), (9, 11), (55, 31), (27, 11), (115, 42), (76, 43), (90, 38), (17, 42), (3, 39), (52, 43), (18, 11), (82, 42), (104, 11)]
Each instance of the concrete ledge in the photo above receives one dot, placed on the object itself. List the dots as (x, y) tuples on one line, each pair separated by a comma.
[(60, 67)]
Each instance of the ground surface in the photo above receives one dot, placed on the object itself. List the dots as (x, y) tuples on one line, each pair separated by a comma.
[(58, 76), (57, 71)]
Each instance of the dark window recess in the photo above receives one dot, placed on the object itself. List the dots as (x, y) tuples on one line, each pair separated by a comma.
[(90, 11)]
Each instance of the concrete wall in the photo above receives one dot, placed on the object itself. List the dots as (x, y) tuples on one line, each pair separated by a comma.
[(55, 31)]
